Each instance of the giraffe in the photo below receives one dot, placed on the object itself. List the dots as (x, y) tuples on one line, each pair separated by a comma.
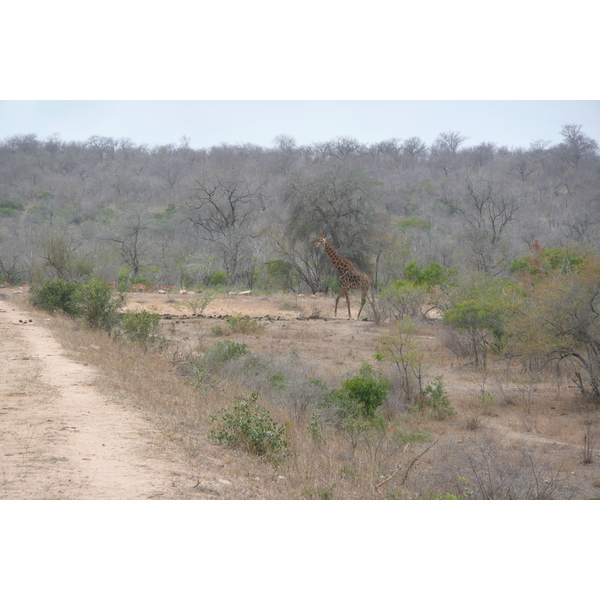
[(350, 277)]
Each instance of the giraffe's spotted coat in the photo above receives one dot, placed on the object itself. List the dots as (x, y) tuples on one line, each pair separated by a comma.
[(350, 277)]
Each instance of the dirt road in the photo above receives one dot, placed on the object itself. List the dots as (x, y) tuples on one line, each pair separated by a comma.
[(60, 438)]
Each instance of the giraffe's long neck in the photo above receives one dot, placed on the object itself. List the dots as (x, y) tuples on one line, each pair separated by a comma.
[(340, 263)]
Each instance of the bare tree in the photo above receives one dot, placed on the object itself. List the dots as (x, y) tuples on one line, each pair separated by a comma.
[(450, 140), (487, 210), (584, 227), (168, 166), (287, 152), (131, 234), (300, 257), (9, 263), (414, 147), (340, 147), (103, 146), (522, 164), (391, 148), (576, 146), (224, 208)]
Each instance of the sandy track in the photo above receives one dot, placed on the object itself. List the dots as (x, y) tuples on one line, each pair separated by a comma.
[(60, 437)]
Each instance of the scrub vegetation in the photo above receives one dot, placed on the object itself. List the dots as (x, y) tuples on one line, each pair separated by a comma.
[(486, 301)]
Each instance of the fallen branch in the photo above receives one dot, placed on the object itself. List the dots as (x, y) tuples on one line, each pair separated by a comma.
[(405, 476)]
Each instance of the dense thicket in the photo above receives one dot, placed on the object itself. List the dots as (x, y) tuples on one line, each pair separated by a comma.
[(173, 215)]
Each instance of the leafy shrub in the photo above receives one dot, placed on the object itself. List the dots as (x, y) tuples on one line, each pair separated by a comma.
[(142, 280), (8, 208), (279, 275), (404, 298), (239, 324), (91, 301), (543, 261), (435, 398), (363, 394), (198, 304), (488, 403), (470, 315), (251, 428), (98, 307), (400, 348), (218, 360), (314, 429), (225, 351), (483, 321), (124, 277), (333, 284), (306, 394), (56, 294), (430, 276), (415, 222), (276, 379), (218, 278), (142, 327), (559, 318)]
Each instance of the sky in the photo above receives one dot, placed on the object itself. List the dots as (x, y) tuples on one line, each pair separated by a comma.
[(244, 73), (212, 122)]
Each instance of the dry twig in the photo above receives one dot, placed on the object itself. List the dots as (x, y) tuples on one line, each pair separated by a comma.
[(406, 472)]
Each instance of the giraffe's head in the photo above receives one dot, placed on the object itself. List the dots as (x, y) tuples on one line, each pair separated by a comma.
[(320, 242)]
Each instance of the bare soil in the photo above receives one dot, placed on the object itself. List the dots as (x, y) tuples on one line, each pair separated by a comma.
[(62, 437)]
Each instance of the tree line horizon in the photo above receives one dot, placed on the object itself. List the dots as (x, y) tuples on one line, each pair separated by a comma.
[(247, 215)]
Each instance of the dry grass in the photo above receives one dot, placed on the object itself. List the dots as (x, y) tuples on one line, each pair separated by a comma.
[(529, 428)]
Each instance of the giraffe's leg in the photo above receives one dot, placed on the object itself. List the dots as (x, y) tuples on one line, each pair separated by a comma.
[(343, 291), (348, 303), (363, 299), (336, 304)]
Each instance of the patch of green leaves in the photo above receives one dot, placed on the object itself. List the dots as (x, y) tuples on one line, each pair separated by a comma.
[(251, 428), (363, 394), (143, 328), (91, 301), (435, 399), (54, 295)]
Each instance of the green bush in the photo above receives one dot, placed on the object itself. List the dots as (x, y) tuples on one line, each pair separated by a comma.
[(218, 278), (430, 276), (217, 359), (142, 327), (363, 394), (333, 284), (279, 275), (245, 324), (483, 321), (415, 222), (91, 301), (199, 303), (251, 428), (56, 294), (543, 261), (435, 398), (98, 307), (224, 351), (123, 278), (143, 280), (8, 208)]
